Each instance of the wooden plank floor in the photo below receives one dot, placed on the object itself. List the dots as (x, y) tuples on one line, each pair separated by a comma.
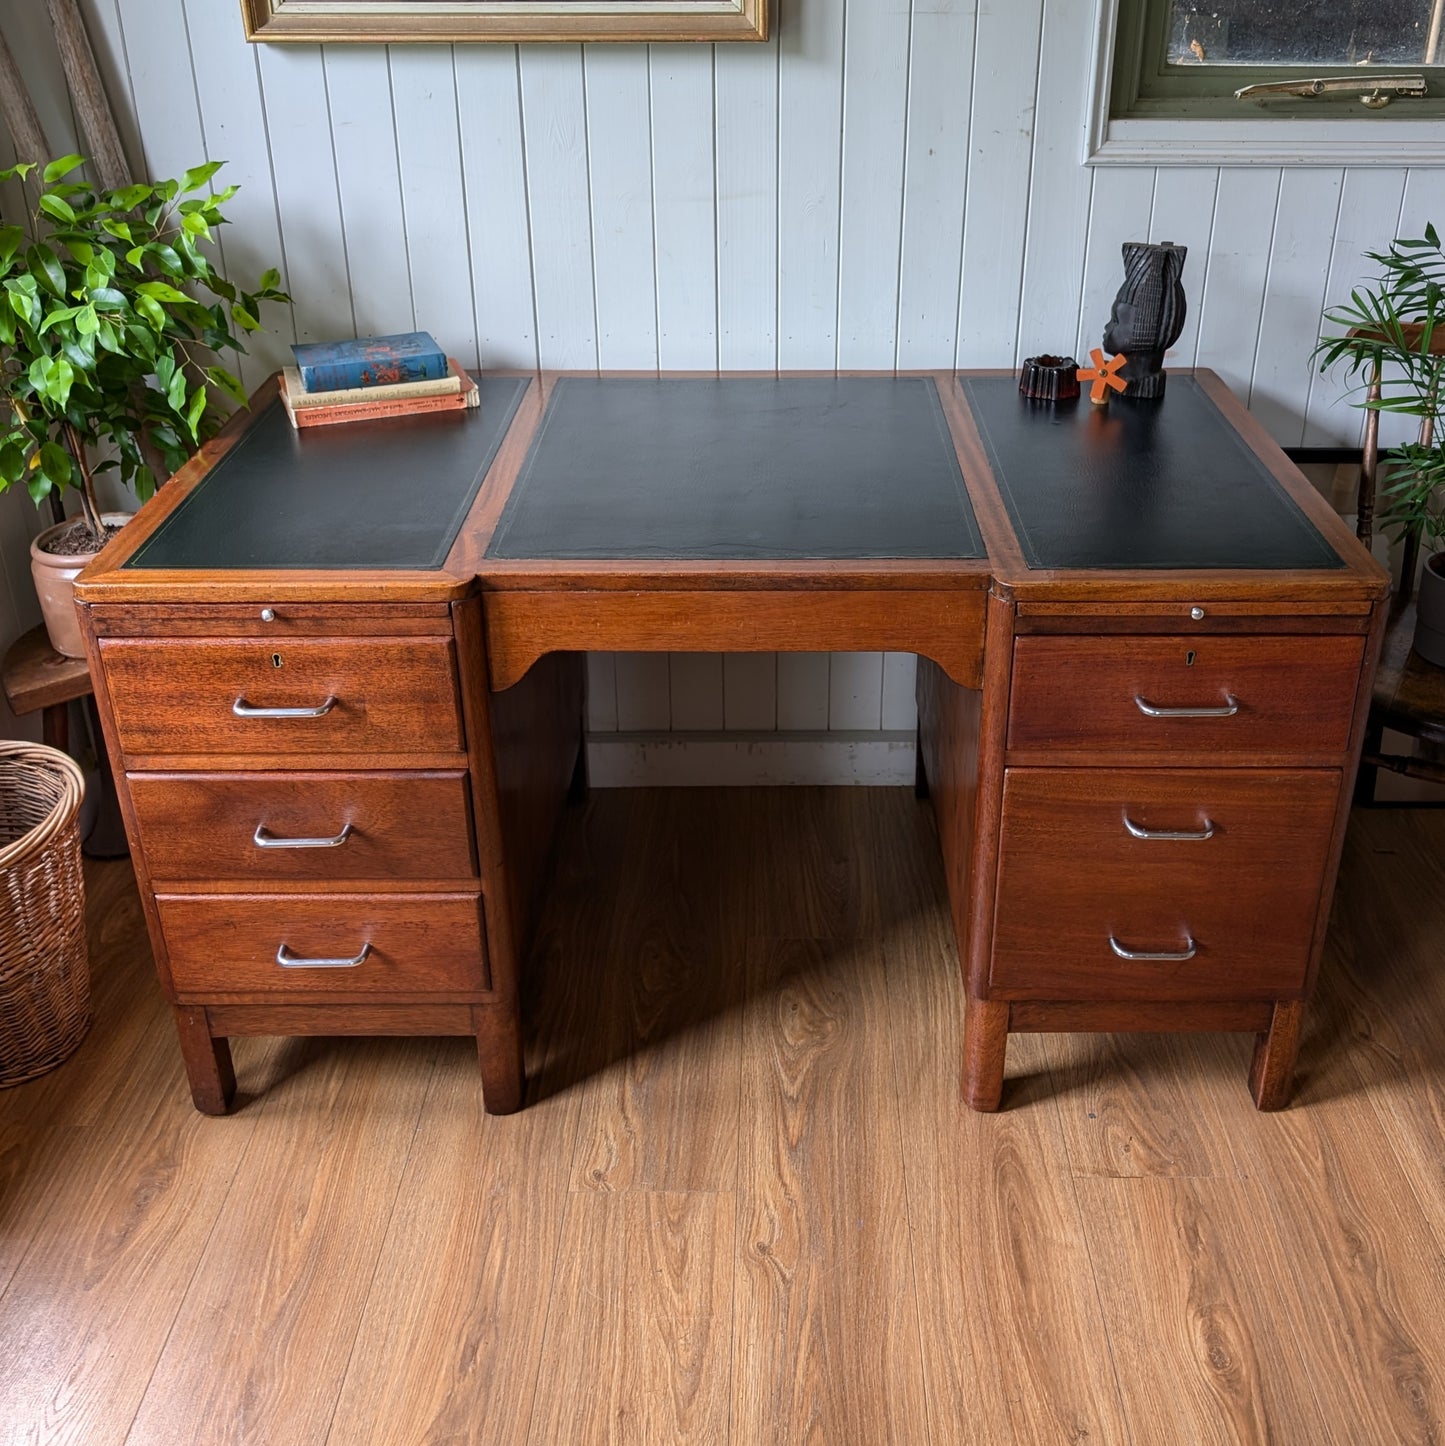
[(745, 1204)]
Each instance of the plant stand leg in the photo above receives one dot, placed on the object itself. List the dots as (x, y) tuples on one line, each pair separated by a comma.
[(55, 726), (1271, 1073), (208, 1062)]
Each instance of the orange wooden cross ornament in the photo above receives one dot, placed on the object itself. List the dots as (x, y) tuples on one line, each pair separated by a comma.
[(1104, 375)]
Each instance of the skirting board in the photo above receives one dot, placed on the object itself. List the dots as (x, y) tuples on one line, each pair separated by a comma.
[(701, 760)]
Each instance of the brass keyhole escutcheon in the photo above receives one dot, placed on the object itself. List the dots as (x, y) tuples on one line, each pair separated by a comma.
[(276, 659), (1189, 658)]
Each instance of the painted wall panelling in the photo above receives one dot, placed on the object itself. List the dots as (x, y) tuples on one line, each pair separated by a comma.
[(1057, 232), (620, 169), (998, 179), (886, 183), (935, 170), (489, 117)]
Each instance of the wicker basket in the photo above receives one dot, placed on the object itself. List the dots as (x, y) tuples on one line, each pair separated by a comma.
[(44, 972)]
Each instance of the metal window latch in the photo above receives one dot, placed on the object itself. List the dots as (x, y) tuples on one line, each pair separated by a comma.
[(1374, 92)]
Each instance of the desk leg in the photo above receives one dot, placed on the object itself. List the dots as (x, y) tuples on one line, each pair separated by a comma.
[(499, 1050), (208, 1062), (1271, 1073), (985, 1041)]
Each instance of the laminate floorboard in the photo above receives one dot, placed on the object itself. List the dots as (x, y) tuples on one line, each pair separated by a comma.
[(260, 1346), (1011, 1344), (745, 1203), (665, 960)]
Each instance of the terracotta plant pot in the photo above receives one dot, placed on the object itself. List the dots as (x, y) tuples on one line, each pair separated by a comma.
[(55, 574), (1430, 611)]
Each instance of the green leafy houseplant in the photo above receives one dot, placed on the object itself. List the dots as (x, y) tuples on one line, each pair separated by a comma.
[(105, 344), (1392, 349)]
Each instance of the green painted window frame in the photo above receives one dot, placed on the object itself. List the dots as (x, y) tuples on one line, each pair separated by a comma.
[(1144, 86)]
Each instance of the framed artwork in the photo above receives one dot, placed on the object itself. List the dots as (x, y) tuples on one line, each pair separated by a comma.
[(509, 21)]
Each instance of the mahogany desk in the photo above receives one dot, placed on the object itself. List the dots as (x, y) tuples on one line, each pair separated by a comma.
[(341, 679)]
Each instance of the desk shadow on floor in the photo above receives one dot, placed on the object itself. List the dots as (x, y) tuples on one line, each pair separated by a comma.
[(666, 903)]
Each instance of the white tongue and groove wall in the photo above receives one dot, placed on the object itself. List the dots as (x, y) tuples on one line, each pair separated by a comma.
[(884, 184)]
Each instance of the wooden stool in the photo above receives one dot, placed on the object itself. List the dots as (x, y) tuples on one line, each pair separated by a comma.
[(35, 676)]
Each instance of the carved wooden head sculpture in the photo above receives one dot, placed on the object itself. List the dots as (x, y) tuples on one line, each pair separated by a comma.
[(1148, 313)]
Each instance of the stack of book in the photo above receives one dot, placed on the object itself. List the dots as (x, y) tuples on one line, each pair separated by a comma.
[(373, 377)]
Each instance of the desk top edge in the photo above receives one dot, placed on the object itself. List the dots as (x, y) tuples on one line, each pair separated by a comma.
[(466, 568)]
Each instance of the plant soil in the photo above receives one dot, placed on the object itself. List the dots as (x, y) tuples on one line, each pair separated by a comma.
[(77, 540)]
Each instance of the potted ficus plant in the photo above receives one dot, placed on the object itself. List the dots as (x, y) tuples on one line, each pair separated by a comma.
[(1392, 348), (108, 354)]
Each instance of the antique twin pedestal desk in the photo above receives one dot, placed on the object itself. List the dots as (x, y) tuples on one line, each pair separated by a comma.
[(341, 678)]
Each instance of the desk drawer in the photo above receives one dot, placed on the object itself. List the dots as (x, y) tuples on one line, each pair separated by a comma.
[(390, 825), (1073, 875), (1288, 694), (386, 695), (221, 944)]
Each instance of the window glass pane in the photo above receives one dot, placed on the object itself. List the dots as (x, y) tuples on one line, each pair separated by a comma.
[(1322, 34)]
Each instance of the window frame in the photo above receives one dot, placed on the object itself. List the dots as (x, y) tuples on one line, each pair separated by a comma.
[(1180, 132)]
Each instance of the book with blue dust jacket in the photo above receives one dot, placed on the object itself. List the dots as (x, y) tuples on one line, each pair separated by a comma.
[(369, 361)]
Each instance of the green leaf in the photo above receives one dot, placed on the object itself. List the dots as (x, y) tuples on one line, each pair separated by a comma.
[(62, 377), (270, 279), (166, 258), (38, 485), (63, 167), (150, 309), (129, 197), (54, 318), (86, 322), (119, 229), (220, 377), (144, 483), (107, 298), (196, 225), (22, 170), (196, 410), (176, 390), (10, 239), (45, 267), (79, 352), (244, 319), (12, 463), (197, 176), (56, 464), (161, 291), (59, 210), (83, 251)]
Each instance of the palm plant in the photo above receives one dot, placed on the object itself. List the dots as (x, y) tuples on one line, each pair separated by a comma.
[(1392, 348)]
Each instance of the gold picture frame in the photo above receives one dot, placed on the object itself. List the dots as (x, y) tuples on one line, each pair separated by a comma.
[(503, 21)]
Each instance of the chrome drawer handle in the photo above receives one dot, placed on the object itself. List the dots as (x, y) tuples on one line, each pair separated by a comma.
[(242, 709), (287, 960), (1197, 835), (1231, 707), (1139, 956), (263, 838)]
